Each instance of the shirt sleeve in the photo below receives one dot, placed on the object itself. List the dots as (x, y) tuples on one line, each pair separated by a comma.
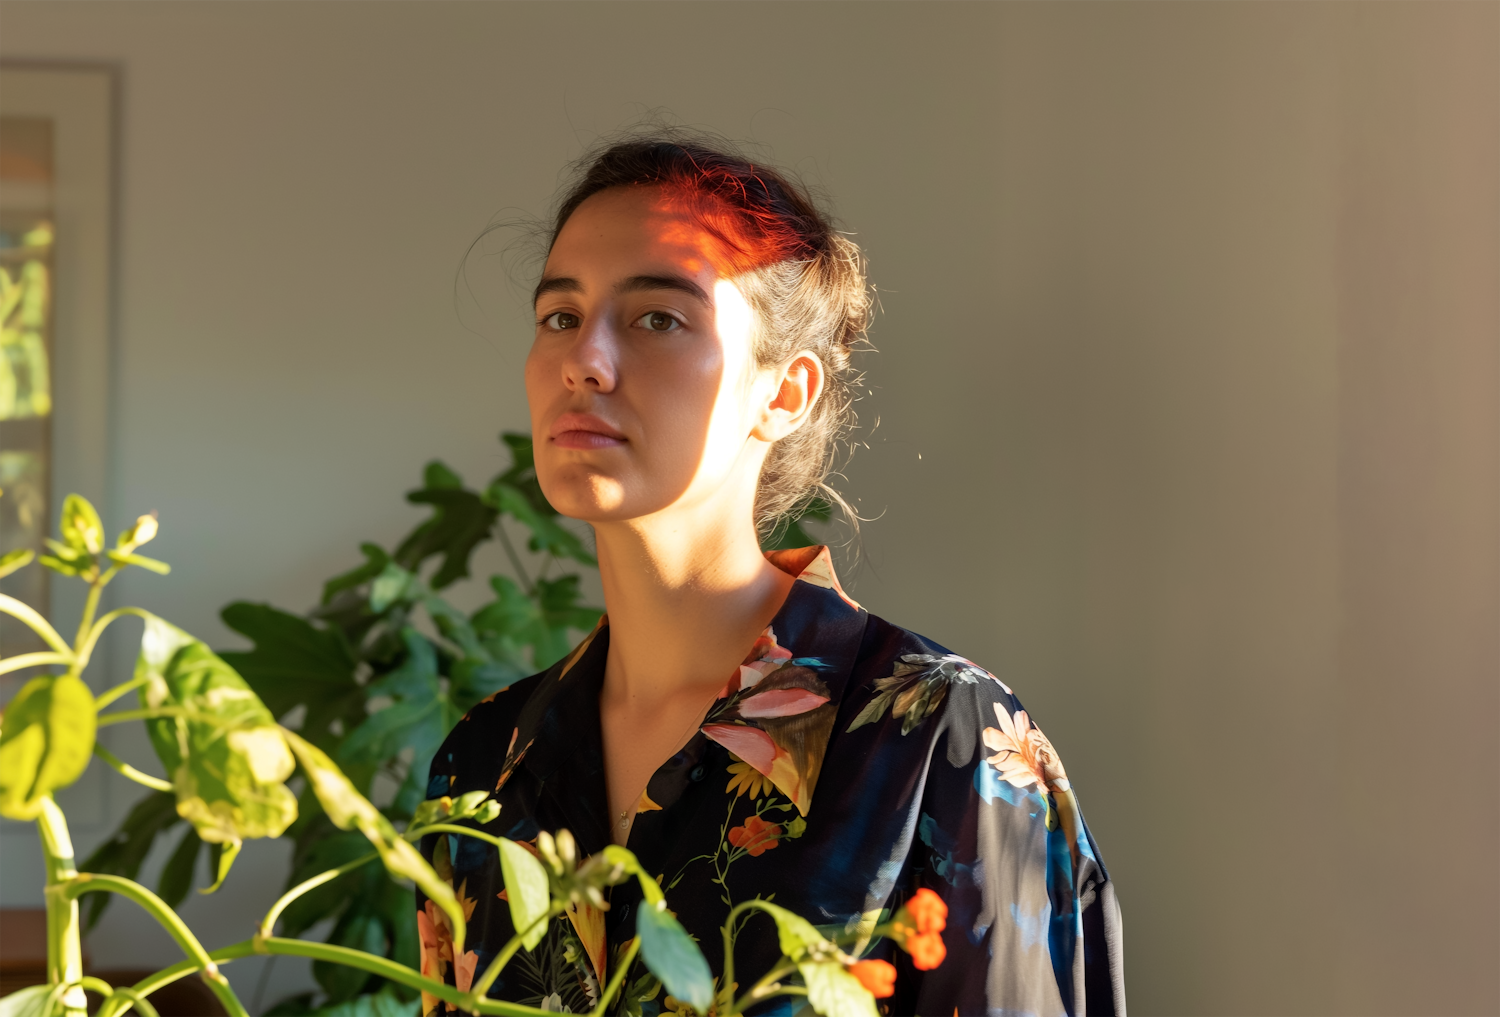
[(1033, 923)]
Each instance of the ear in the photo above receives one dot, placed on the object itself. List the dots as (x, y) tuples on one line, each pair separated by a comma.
[(798, 384)]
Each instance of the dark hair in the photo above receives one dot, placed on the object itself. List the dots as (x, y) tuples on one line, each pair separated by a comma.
[(804, 279)]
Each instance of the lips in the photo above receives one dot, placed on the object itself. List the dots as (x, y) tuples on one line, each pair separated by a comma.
[(584, 431)]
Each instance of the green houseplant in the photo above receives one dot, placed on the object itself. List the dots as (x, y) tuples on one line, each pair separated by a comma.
[(385, 627), (387, 624), (228, 763)]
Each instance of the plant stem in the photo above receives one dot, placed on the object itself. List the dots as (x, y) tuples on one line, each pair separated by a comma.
[(126, 770), (110, 695), (86, 882), (758, 990), (90, 607), (64, 947), (734, 913), (38, 624), (164, 711), (422, 831), (510, 551), (268, 924), (86, 647), (19, 661), (121, 1002), (619, 976), (395, 972), (480, 987), (132, 998)]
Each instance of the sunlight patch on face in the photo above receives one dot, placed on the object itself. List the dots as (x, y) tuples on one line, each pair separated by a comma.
[(608, 492), (734, 319)]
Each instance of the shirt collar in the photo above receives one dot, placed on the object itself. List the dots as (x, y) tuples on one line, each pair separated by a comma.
[(776, 712)]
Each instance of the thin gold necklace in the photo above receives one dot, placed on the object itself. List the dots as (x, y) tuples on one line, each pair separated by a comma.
[(682, 741)]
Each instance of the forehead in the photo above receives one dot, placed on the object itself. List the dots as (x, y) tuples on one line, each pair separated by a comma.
[(628, 230)]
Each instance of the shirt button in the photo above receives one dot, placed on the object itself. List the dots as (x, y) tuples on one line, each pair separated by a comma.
[(697, 773)]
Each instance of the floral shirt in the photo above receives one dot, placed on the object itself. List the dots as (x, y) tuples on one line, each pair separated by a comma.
[(846, 764)]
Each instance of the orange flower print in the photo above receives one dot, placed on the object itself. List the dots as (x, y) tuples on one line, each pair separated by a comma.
[(918, 928), (927, 950), (437, 945), (756, 837), (1023, 755), (463, 970), (877, 976), (927, 911), (437, 948)]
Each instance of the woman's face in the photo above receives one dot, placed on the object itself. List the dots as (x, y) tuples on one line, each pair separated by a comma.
[(644, 392)]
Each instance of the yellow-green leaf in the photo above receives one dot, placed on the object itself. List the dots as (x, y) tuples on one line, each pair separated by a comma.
[(161, 568), (526, 890), (45, 742), (834, 992), (227, 760), (80, 526), (28, 1002), (226, 858), (17, 559), (797, 933)]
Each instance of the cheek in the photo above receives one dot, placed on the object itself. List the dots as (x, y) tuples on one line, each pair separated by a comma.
[(537, 373), (677, 397)]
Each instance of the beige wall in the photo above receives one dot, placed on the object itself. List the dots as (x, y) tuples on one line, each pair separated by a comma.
[(1187, 390)]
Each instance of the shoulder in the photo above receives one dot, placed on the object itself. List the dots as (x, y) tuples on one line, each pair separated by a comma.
[(905, 683), (475, 750)]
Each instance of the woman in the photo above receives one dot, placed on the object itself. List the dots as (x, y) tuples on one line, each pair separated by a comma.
[(689, 377)]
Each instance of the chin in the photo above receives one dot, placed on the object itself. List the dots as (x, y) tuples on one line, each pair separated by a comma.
[(585, 494)]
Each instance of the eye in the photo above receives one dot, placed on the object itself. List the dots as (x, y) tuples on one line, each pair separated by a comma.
[(561, 320), (658, 321)]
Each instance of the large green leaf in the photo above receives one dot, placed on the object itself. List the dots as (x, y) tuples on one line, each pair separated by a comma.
[(526, 890), (834, 992), (460, 522), (348, 809), (522, 472), (561, 614), (296, 663), (546, 533), (45, 742), (672, 956), (227, 759), (486, 664), (375, 562), (546, 624), (419, 718), (123, 853)]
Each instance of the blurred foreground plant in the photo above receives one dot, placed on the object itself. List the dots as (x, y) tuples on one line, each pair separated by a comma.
[(228, 761), (375, 677)]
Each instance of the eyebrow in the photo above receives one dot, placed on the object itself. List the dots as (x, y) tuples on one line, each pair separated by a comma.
[(634, 284)]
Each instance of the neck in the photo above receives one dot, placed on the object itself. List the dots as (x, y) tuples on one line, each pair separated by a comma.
[(686, 600)]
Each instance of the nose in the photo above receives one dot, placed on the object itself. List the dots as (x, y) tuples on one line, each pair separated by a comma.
[(590, 361)]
